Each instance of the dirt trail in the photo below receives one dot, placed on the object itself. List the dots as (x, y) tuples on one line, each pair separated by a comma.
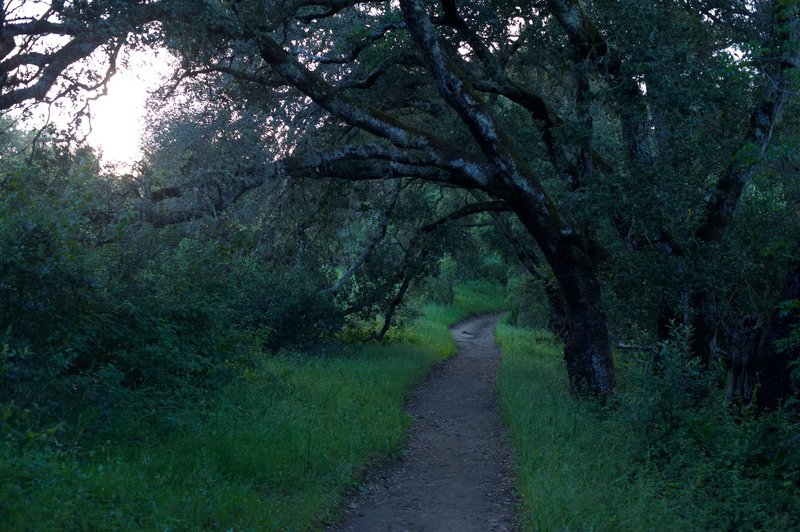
[(457, 472)]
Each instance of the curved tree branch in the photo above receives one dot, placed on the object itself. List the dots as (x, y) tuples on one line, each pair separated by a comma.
[(359, 47), (49, 65), (418, 249)]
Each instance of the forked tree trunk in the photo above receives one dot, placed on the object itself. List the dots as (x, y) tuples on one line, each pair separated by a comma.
[(758, 365)]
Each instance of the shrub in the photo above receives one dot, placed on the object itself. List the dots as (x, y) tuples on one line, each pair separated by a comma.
[(731, 469), (527, 303)]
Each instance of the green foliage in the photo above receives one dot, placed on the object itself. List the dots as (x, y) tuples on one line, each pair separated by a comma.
[(275, 449), (730, 470), (527, 302), (49, 282), (439, 288), (667, 385), (576, 468), (76, 341), (142, 322), (667, 455), (288, 305)]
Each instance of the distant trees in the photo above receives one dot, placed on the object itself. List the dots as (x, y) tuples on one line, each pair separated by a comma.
[(624, 136)]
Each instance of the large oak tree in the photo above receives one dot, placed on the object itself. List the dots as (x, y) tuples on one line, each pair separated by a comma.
[(596, 123)]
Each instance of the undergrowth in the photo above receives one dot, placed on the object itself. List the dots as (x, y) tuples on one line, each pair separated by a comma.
[(276, 449), (667, 455), (273, 451)]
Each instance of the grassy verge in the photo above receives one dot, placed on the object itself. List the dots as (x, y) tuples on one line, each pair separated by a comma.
[(470, 299), (274, 450), (668, 456), (576, 468)]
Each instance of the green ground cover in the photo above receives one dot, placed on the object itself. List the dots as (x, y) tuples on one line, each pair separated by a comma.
[(665, 455), (572, 465), (276, 449)]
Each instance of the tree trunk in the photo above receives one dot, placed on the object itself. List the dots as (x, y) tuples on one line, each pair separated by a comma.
[(557, 322), (742, 350), (587, 349), (774, 363), (704, 328)]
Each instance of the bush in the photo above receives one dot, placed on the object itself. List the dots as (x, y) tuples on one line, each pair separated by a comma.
[(439, 287), (77, 340), (527, 303), (297, 312), (731, 469)]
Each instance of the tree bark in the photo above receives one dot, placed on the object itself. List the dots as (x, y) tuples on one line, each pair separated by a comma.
[(587, 349), (774, 363), (740, 360)]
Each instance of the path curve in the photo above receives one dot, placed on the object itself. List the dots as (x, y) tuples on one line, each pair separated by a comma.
[(457, 471)]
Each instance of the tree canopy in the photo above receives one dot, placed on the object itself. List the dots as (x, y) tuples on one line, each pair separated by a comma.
[(644, 148)]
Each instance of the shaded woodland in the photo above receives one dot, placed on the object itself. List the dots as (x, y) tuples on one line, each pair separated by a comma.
[(315, 171)]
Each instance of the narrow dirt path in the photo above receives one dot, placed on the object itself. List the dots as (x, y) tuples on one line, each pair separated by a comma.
[(457, 473)]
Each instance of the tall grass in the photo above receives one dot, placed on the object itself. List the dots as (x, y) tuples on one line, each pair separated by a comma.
[(574, 464), (470, 299), (277, 449), (667, 455), (274, 452)]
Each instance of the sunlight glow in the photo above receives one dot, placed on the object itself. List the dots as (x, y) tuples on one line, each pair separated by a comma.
[(117, 118)]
